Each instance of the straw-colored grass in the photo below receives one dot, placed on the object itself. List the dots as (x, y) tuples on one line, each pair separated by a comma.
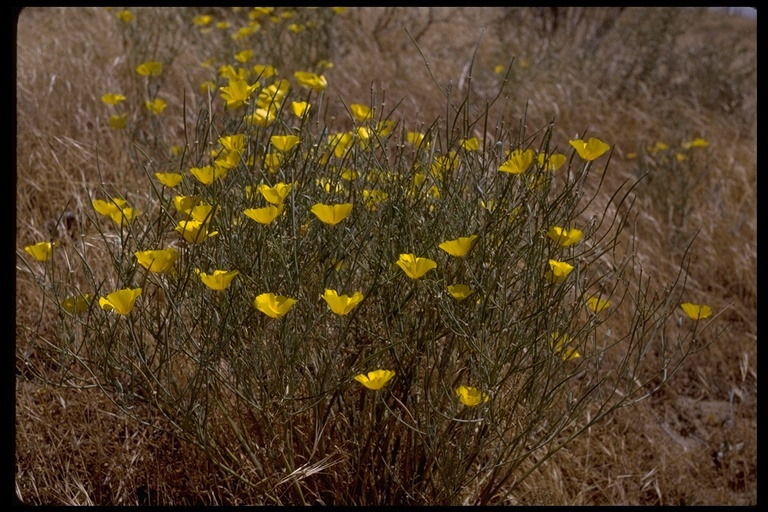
[(631, 76)]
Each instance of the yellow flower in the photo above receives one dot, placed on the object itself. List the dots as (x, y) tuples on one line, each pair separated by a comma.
[(274, 306), (236, 94), (415, 139), (372, 198), (202, 212), (341, 304), (550, 162), (415, 267), (332, 214), (261, 117), (117, 122), (207, 175), (470, 144), (458, 247), (560, 344), (313, 81), (361, 112), (150, 68), (459, 291), (596, 304), (300, 108), (340, 142), (125, 15), (194, 231), (115, 210), (277, 194), (183, 204), (272, 161), (698, 142), (284, 143), (564, 237), (121, 301), (470, 396), (696, 311), (169, 179), (264, 71), (376, 379), (112, 99), (41, 251), (244, 56), (156, 106), (518, 161), (559, 270), (264, 215), (157, 261), (591, 149), (203, 19), (77, 304), (219, 280), (233, 143), (270, 97)]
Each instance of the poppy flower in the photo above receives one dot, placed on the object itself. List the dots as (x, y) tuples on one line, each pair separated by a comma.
[(274, 306), (157, 261), (459, 291), (342, 304), (41, 251), (77, 304), (194, 231), (518, 161), (264, 215), (596, 304), (559, 270), (376, 379), (415, 267), (564, 237), (276, 194), (169, 179), (470, 396), (284, 143), (696, 311), (458, 247), (121, 301), (560, 343), (332, 214), (591, 149), (219, 280)]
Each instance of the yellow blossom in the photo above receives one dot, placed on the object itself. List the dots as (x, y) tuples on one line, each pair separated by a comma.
[(597, 304), (117, 122), (168, 179), (194, 231), (559, 270), (313, 81), (264, 215), (518, 161), (376, 379), (274, 306), (121, 301), (341, 304), (560, 344), (150, 68), (41, 251), (550, 162), (276, 194), (77, 304), (458, 247), (159, 260), (112, 99), (361, 112), (564, 237), (696, 311), (459, 291), (470, 396), (591, 149), (332, 214), (415, 267), (284, 143), (155, 106), (219, 280), (300, 108)]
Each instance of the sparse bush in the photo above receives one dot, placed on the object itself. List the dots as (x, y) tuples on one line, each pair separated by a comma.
[(339, 304)]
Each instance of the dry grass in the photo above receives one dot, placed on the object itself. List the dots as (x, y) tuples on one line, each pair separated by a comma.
[(694, 442)]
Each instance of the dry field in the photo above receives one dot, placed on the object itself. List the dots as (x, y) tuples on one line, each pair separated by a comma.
[(634, 76)]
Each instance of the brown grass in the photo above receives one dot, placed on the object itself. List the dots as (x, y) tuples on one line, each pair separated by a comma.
[(630, 77)]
